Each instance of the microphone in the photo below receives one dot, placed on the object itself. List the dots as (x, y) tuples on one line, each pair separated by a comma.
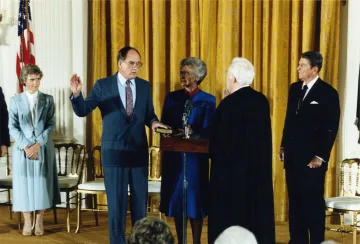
[(187, 109)]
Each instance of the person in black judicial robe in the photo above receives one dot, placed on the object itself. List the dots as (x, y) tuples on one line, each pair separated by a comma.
[(311, 125), (4, 130), (241, 191)]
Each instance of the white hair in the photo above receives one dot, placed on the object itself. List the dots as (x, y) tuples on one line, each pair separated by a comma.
[(243, 71), (329, 242), (236, 234)]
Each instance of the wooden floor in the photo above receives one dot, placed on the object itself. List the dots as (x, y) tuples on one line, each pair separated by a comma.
[(89, 234)]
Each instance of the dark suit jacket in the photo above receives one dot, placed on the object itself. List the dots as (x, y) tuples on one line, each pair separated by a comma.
[(123, 138), (4, 119), (313, 130)]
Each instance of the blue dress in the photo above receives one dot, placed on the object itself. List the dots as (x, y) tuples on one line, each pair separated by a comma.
[(197, 163), (35, 182)]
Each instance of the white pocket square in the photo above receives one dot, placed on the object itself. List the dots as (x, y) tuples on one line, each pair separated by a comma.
[(314, 102)]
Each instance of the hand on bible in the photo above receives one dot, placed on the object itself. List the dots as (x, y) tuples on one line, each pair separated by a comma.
[(75, 84), (180, 132), (157, 124), (315, 163)]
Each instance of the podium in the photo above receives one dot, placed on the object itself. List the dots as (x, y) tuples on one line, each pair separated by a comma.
[(177, 144), (184, 145)]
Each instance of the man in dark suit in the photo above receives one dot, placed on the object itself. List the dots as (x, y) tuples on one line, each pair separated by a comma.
[(126, 107), (4, 130), (311, 125)]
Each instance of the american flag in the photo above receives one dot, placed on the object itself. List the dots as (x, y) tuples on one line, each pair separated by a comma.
[(26, 40)]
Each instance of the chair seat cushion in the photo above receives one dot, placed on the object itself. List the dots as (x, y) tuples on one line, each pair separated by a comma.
[(94, 185), (98, 185), (67, 182), (6, 181), (343, 203), (154, 186)]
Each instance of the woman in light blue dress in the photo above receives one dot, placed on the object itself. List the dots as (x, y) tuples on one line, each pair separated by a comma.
[(31, 122)]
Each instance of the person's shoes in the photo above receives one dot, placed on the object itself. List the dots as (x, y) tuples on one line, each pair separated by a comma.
[(27, 225), (27, 229), (39, 229), (39, 226)]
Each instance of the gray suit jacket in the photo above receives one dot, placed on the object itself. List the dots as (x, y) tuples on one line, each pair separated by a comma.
[(21, 127)]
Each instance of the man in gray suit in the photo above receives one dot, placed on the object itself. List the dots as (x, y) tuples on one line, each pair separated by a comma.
[(126, 107)]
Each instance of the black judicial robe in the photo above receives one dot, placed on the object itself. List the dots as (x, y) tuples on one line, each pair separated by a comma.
[(241, 190)]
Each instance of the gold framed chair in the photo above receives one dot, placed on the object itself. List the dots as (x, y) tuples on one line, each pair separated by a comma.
[(96, 186), (348, 202), (70, 165), (93, 187), (154, 180), (6, 182)]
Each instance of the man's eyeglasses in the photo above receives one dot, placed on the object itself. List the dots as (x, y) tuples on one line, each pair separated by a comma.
[(185, 74), (134, 64)]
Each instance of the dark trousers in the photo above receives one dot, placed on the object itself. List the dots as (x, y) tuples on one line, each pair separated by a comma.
[(306, 205), (117, 180)]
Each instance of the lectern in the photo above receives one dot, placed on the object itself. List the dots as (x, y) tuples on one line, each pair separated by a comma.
[(185, 145)]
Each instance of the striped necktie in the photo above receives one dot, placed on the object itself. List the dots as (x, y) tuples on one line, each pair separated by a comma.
[(129, 99)]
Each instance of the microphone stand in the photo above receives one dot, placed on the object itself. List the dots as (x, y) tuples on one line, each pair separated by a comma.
[(185, 119)]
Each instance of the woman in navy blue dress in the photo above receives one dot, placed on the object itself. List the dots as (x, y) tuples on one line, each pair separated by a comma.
[(192, 72)]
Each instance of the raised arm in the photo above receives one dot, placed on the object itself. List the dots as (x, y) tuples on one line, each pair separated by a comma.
[(82, 107)]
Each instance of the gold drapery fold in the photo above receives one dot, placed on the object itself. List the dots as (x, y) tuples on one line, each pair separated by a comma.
[(271, 34), (329, 47)]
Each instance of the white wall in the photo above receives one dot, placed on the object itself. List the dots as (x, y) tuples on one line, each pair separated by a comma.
[(348, 80)]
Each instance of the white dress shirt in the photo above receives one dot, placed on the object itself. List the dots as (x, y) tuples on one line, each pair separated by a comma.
[(309, 85), (122, 89), (32, 98)]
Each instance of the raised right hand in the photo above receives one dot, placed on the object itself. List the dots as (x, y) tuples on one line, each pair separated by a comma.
[(75, 84)]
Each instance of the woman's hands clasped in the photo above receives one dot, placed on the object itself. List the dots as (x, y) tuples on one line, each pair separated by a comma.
[(32, 151)]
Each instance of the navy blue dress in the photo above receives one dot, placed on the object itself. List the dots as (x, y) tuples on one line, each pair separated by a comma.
[(197, 163)]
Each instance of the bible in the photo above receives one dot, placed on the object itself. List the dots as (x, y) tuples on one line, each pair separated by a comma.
[(164, 131)]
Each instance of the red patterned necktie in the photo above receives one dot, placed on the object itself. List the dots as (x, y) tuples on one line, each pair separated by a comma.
[(129, 99)]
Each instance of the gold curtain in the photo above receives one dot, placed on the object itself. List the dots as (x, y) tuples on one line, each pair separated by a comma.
[(271, 34)]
